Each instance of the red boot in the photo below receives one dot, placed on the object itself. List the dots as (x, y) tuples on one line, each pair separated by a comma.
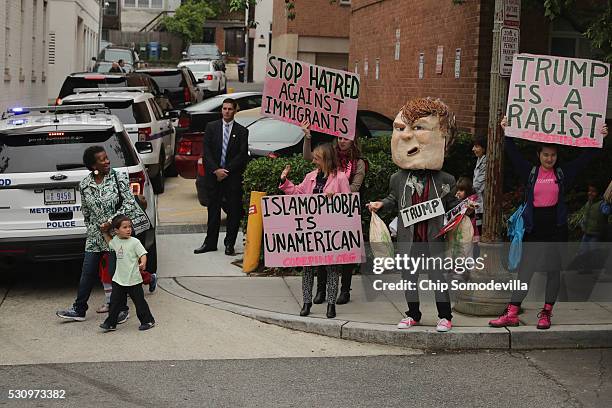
[(509, 318), (544, 317)]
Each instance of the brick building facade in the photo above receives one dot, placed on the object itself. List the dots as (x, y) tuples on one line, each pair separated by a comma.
[(422, 28), (319, 33)]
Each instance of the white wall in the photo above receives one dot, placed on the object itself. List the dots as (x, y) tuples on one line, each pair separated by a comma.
[(263, 17), (74, 24), (23, 64)]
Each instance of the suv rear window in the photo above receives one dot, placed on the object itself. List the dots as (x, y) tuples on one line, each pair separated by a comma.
[(128, 112), (90, 81), (168, 79), (40, 152)]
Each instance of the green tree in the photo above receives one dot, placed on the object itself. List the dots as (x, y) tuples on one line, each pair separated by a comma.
[(188, 20)]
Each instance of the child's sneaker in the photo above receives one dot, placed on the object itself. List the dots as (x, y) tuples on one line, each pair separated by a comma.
[(123, 316), (153, 283), (146, 326), (444, 325), (107, 327), (70, 314), (102, 309), (544, 317), (407, 323)]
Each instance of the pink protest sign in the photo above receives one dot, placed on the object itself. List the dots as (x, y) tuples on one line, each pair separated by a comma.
[(558, 100), (311, 229), (295, 91)]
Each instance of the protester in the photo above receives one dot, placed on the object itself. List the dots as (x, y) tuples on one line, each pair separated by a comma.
[(422, 132), (545, 220), (479, 148), (462, 239), (131, 259), (104, 193), (593, 225), (225, 155), (354, 167), (328, 178)]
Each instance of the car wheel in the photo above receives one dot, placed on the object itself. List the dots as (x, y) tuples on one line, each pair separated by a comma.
[(159, 179)]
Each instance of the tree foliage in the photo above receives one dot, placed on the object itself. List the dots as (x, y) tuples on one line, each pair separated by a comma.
[(188, 20)]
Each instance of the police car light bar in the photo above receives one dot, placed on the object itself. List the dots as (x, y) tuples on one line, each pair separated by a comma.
[(111, 89), (56, 108)]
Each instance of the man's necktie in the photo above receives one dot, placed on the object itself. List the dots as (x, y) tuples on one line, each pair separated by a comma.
[(226, 134)]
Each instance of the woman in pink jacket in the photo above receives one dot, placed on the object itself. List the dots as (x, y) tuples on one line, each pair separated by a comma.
[(325, 179)]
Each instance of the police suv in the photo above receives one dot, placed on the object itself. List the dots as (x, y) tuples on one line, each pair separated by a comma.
[(41, 165), (143, 120)]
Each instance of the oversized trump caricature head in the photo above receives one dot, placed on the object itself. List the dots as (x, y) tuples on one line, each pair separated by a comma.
[(423, 130)]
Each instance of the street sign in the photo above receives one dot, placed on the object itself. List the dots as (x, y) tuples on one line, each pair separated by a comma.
[(512, 13), (509, 46)]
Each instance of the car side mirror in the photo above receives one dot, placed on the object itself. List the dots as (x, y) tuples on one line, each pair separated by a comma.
[(171, 114), (184, 53), (93, 59), (200, 81), (144, 147)]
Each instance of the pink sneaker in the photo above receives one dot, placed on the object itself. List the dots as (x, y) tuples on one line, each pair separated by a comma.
[(444, 325), (544, 317), (509, 318), (407, 323)]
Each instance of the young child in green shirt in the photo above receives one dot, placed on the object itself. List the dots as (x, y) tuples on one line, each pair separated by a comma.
[(131, 259)]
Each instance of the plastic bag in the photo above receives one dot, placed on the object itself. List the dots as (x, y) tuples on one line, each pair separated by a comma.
[(380, 238)]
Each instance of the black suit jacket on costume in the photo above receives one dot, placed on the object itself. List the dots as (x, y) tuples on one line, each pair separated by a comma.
[(236, 157)]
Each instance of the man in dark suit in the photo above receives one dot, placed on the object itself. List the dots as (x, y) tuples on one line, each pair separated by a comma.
[(225, 157)]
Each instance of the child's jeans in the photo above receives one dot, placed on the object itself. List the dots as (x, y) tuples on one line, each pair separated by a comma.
[(119, 298)]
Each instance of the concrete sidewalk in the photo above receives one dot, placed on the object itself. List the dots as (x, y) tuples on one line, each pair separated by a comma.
[(371, 316)]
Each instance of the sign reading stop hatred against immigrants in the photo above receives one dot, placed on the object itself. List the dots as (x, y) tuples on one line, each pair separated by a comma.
[(295, 91), (310, 230), (557, 100)]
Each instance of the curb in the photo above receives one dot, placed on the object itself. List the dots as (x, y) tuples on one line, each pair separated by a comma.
[(419, 337)]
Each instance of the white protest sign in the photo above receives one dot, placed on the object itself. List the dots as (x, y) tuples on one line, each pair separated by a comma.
[(422, 212)]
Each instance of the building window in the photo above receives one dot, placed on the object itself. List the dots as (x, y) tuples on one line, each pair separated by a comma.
[(111, 9), (209, 35), (152, 4)]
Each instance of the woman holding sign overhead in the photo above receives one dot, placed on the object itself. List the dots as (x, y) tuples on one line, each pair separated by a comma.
[(545, 220), (329, 179), (355, 168)]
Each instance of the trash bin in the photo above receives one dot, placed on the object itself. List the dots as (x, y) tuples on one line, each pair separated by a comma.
[(241, 66), (164, 51), (154, 50)]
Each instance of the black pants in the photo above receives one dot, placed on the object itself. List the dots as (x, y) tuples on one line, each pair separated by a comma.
[(346, 277), (230, 192), (119, 298), (443, 303), (542, 245)]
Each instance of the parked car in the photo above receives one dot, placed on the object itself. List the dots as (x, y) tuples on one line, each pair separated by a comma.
[(210, 76), (41, 165), (203, 51), (192, 122), (114, 53), (143, 121), (106, 80), (269, 137), (178, 84)]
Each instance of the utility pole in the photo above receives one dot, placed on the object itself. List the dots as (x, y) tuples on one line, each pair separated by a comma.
[(100, 27), (491, 303)]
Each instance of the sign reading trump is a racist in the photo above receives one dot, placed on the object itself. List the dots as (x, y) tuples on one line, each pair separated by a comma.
[(295, 91), (558, 100), (310, 230)]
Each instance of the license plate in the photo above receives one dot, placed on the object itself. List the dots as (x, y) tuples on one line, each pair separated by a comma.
[(60, 196)]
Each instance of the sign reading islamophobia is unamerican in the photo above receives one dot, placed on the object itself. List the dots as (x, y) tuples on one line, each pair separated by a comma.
[(295, 91), (557, 100), (310, 230)]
